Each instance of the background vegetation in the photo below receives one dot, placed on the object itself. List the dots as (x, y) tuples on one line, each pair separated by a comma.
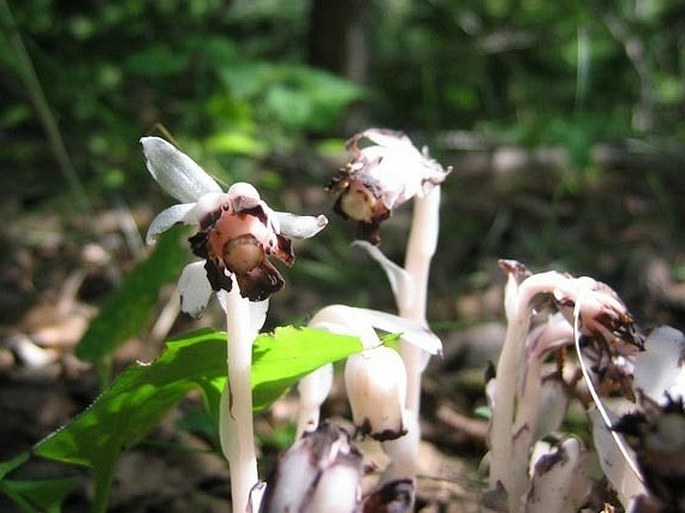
[(563, 121)]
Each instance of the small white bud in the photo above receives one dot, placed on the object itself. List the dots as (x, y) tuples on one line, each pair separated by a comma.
[(376, 382)]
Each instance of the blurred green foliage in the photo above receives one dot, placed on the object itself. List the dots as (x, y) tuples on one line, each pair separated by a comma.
[(234, 75), (111, 71)]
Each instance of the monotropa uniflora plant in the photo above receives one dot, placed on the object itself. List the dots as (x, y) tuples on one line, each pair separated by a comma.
[(547, 312), (237, 234), (375, 380), (385, 172)]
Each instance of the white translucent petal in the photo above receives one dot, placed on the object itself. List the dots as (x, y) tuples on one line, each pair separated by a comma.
[(360, 322), (658, 369), (411, 331), (194, 289), (175, 171), (180, 213), (208, 203), (256, 495), (258, 310), (552, 407), (511, 297), (338, 319), (300, 227), (403, 451), (221, 296), (617, 470), (395, 141), (336, 492), (401, 282), (243, 189)]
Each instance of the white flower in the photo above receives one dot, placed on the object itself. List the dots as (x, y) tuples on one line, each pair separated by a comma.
[(380, 177), (375, 378), (237, 230), (321, 472)]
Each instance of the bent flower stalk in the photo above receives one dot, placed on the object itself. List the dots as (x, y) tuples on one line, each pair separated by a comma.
[(236, 235), (386, 170)]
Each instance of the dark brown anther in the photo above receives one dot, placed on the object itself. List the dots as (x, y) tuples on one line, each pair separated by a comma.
[(259, 283)]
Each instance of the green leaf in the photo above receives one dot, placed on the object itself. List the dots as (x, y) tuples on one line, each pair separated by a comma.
[(8, 466), (128, 310), (45, 494), (392, 340), (282, 358), (484, 412), (138, 398)]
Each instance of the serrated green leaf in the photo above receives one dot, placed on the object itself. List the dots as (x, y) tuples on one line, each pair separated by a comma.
[(138, 398), (130, 307)]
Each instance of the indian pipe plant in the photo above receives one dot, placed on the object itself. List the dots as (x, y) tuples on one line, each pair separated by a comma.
[(569, 341)]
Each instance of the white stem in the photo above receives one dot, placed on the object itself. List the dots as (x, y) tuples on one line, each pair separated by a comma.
[(236, 427), (313, 389), (423, 240), (528, 397), (508, 367), (503, 408), (524, 427)]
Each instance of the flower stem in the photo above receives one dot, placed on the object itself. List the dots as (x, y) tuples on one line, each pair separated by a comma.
[(423, 238), (508, 366), (236, 429)]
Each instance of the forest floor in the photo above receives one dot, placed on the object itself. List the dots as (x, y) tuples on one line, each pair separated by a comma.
[(619, 224)]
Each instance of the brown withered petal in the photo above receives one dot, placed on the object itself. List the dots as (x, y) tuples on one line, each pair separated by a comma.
[(216, 276), (284, 250), (198, 244), (357, 201), (259, 283), (385, 171)]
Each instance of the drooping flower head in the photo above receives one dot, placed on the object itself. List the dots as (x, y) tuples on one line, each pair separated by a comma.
[(381, 176), (237, 231)]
